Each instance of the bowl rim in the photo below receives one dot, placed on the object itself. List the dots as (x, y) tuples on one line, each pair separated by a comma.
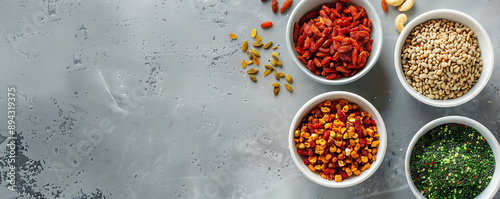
[(375, 53), (362, 102), (493, 185), (486, 51)]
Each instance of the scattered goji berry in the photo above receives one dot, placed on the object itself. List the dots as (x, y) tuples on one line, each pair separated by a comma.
[(285, 5), (266, 24)]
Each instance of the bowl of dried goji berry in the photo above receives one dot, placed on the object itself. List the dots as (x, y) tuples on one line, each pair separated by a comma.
[(334, 43), (337, 139)]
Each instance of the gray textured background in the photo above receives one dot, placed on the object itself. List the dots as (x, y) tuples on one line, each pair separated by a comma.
[(147, 99)]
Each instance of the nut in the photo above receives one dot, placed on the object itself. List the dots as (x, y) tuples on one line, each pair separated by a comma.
[(394, 2), (407, 4), (400, 22)]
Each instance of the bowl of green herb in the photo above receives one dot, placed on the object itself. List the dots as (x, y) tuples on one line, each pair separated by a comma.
[(453, 157)]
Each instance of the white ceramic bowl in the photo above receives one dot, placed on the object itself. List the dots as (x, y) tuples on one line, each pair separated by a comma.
[(304, 7), (485, 45), (494, 184), (363, 105)]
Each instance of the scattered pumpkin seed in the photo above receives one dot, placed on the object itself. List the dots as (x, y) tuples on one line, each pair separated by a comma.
[(254, 32), (281, 74), (268, 44), (243, 63), (288, 87), (255, 53), (232, 35), (252, 71), (257, 44), (252, 77), (250, 62), (273, 62), (257, 39), (275, 56), (269, 67), (278, 62), (256, 60), (289, 78), (274, 48), (250, 55), (276, 75), (276, 90), (276, 84), (244, 46), (266, 72)]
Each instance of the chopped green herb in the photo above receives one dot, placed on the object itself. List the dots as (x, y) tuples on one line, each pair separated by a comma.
[(451, 161)]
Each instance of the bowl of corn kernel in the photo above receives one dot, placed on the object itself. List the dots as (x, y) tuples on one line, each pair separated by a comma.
[(337, 139)]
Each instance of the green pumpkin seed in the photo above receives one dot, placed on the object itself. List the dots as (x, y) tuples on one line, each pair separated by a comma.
[(276, 84), (266, 72), (276, 75), (257, 39), (269, 44), (288, 87), (252, 71), (276, 90), (269, 67), (273, 62), (289, 78), (275, 56), (257, 44), (252, 78), (281, 74), (250, 55), (255, 53), (244, 46)]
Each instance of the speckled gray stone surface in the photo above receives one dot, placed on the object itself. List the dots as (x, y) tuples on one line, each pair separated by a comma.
[(147, 99)]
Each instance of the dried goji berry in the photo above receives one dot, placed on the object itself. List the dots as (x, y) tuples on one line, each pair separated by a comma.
[(311, 15), (295, 31), (357, 126), (285, 5), (329, 70), (326, 60), (301, 59), (332, 76), (299, 50), (310, 66), (327, 43), (322, 54), (319, 43), (383, 3), (342, 69), (266, 24), (354, 58), (326, 135), (344, 49), (367, 122), (274, 5), (310, 152), (316, 62), (341, 172), (329, 171), (364, 28), (306, 160), (362, 57), (300, 41), (312, 144)]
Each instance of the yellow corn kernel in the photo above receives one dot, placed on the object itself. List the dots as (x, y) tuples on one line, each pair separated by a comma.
[(331, 165), (333, 148), (321, 121), (307, 144), (326, 118), (374, 151), (341, 163), (362, 168), (334, 159), (367, 165), (357, 146), (303, 129), (369, 151), (328, 125), (325, 109), (312, 159), (369, 140), (322, 142), (348, 171), (369, 132), (327, 103), (375, 135), (342, 130), (345, 109), (351, 119), (346, 136), (338, 106), (338, 178), (374, 157), (317, 167), (328, 157), (354, 106), (302, 146), (369, 156), (367, 114), (356, 172), (374, 128), (305, 135), (364, 159), (324, 166), (323, 175), (296, 133), (354, 154), (343, 102), (311, 167), (375, 143)]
